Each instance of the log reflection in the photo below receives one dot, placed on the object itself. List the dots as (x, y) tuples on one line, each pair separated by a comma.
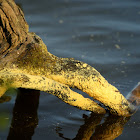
[(110, 129), (90, 125), (93, 130), (25, 117)]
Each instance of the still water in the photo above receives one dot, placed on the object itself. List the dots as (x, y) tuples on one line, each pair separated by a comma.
[(104, 34)]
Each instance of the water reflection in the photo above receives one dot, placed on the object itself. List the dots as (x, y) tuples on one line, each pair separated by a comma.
[(93, 130), (110, 129), (25, 118)]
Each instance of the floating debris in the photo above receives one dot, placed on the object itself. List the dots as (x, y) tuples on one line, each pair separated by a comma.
[(123, 62), (117, 46), (61, 21)]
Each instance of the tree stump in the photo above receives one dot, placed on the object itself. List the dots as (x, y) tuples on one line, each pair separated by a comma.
[(26, 63)]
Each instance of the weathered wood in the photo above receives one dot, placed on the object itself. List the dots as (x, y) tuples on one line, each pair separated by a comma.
[(25, 62)]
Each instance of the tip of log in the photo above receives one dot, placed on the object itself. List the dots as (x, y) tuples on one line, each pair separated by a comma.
[(134, 98)]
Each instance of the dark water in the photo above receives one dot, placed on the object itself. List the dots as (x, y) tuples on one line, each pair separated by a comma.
[(104, 34)]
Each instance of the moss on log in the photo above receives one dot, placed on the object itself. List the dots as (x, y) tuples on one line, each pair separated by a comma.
[(25, 62)]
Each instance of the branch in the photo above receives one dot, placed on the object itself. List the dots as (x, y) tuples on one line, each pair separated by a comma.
[(17, 79)]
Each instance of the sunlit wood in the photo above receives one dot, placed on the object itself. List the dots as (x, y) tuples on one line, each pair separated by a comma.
[(25, 62)]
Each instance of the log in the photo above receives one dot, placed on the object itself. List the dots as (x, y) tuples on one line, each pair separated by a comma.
[(25, 62)]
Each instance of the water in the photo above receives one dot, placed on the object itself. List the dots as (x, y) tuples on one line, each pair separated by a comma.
[(104, 34)]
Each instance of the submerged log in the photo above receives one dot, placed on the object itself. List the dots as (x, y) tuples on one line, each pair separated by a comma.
[(26, 63)]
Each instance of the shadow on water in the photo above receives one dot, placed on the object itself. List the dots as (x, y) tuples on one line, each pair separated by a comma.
[(25, 119)]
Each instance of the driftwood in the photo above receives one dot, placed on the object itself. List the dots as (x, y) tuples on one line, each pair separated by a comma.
[(26, 63)]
